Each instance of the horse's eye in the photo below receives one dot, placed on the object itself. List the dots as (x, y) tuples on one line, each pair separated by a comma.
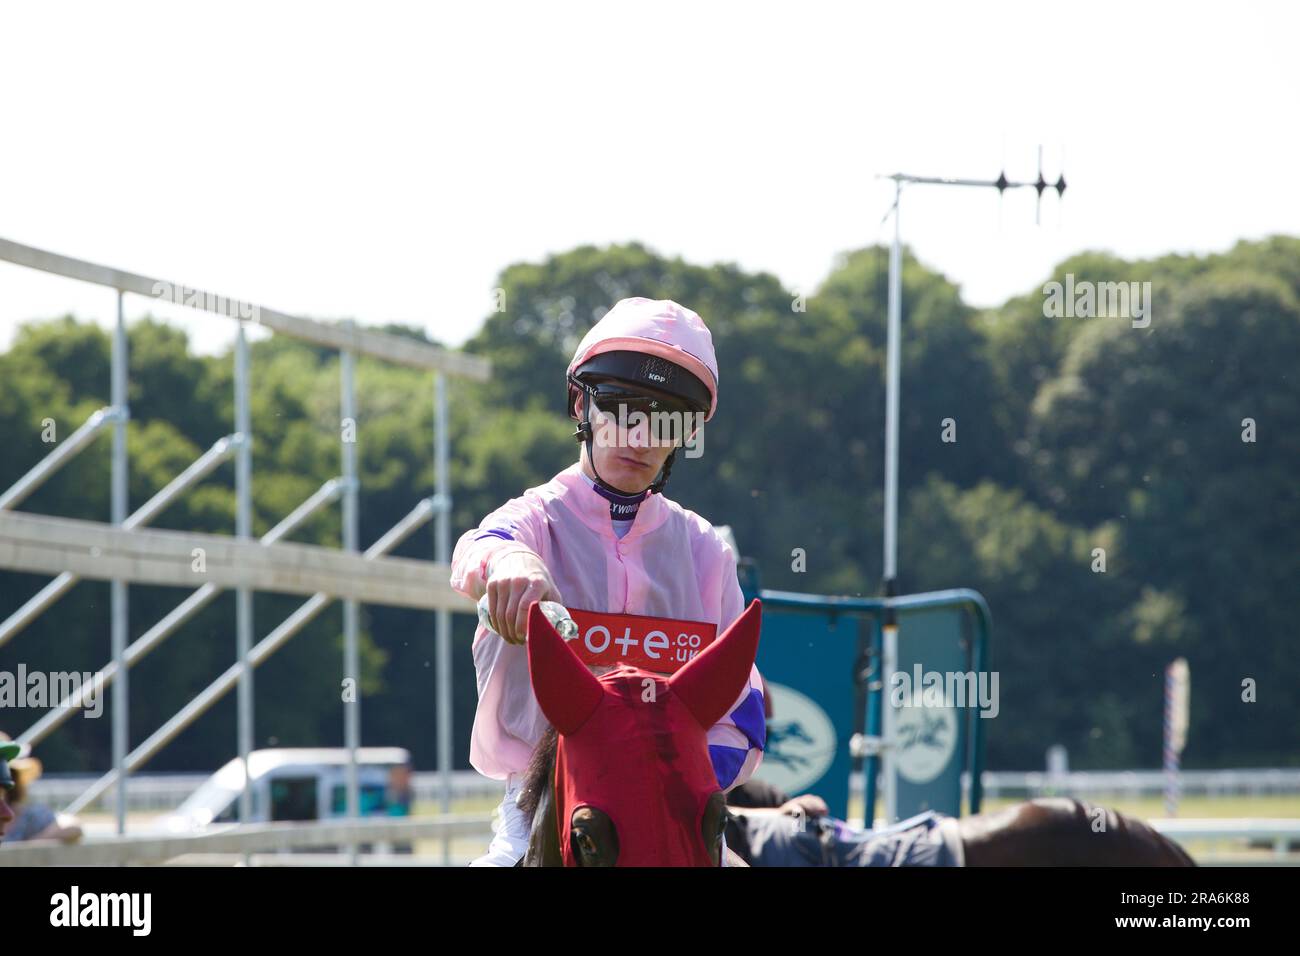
[(714, 822), (593, 838)]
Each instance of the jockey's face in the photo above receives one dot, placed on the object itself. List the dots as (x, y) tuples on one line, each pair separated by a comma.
[(627, 458)]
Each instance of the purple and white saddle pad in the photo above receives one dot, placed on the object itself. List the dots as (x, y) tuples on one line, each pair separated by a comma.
[(778, 839)]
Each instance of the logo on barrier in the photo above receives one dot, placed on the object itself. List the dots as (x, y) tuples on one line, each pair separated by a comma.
[(801, 741), (926, 738)]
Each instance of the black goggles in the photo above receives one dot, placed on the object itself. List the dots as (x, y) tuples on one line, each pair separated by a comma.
[(668, 419)]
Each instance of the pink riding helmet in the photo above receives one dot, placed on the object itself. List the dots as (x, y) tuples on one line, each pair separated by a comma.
[(658, 327)]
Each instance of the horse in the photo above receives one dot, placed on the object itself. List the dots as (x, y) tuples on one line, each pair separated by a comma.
[(624, 778)]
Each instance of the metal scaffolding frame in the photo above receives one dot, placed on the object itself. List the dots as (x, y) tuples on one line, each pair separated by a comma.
[(123, 553)]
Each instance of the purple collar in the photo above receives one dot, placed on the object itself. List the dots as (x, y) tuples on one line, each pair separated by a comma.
[(621, 507)]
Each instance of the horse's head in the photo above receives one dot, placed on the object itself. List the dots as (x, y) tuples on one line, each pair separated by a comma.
[(633, 784)]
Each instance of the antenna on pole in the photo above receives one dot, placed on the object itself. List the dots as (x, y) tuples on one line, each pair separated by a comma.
[(1060, 187), (889, 630), (1001, 184), (1040, 184)]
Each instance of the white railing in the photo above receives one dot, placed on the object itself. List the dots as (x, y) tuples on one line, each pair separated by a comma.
[(1281, 835), (1133, 783), (253, 838), (159, 793), (162, 792)]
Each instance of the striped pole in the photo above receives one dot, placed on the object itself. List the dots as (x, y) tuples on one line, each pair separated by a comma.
[(1177, 694)]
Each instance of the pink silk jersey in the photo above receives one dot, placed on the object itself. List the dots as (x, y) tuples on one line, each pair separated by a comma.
[(672, 563)]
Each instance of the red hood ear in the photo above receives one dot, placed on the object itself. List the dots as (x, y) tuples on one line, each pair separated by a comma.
[(567, 692), (711, 681)]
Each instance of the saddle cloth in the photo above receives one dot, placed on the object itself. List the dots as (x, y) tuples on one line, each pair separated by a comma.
[(778, 839)]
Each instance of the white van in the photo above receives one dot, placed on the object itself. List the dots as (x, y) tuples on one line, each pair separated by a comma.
[(292, 784)]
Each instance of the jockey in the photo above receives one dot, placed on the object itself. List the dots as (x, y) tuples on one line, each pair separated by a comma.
[(601, 536)]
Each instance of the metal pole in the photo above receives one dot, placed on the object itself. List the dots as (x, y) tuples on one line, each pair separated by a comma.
[(118, 589), (351, 654), (243, 596), (63, 452), (889, 662), (983, 625), (890, 629), (891, 394), (442, 533), (874, 767), (195, 472)]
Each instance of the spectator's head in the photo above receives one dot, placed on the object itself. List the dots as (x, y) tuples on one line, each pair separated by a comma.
[(9, 751), (21, 769), (399, 776)]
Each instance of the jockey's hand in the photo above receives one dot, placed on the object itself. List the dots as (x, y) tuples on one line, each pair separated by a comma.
[(516, 581), (808, 804)]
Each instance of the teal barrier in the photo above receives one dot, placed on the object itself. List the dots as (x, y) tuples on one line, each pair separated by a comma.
[(822, 658), (809, 659)]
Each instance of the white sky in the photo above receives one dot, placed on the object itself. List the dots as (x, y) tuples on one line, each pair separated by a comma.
[(387, 161)]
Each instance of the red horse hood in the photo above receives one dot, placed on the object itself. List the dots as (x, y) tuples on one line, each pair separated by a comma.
[(633, 744), (643, 760)]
